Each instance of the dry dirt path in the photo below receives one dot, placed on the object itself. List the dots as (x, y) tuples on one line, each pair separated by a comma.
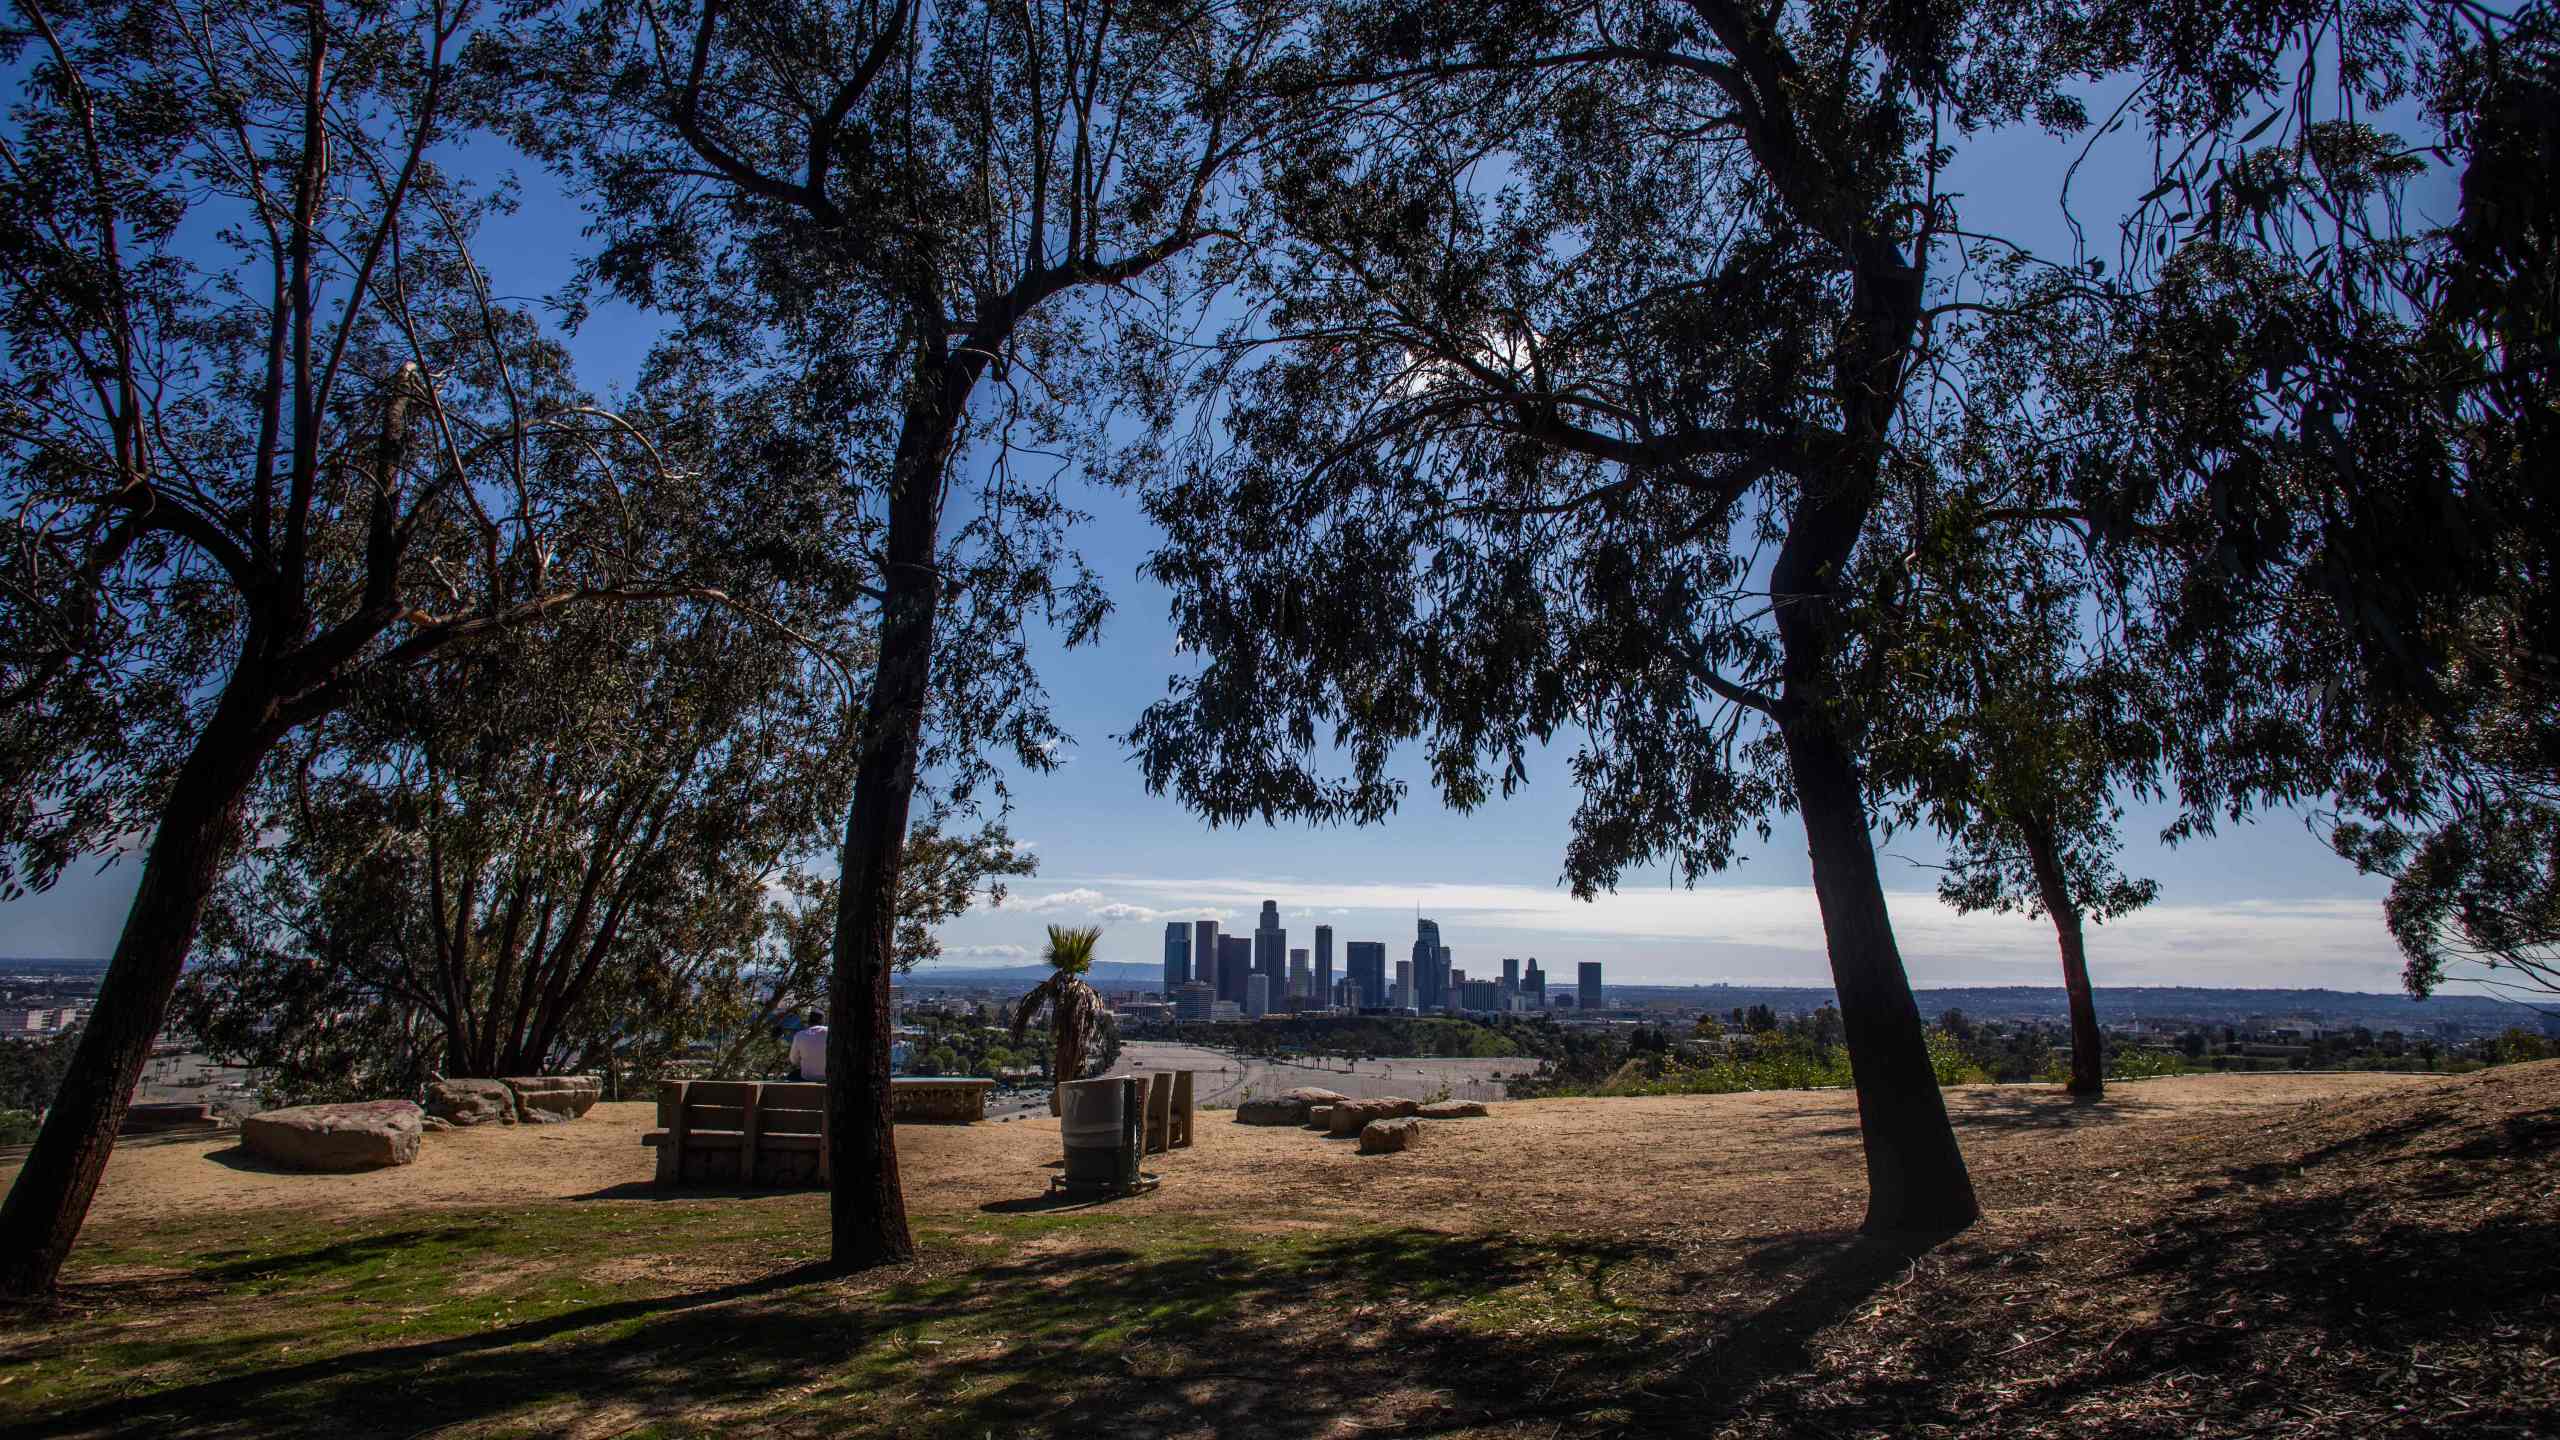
[(1716, 1162)]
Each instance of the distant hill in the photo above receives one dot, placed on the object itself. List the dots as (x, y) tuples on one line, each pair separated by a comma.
[(2123, 1004)]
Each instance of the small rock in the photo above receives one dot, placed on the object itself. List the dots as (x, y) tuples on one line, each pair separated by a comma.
[(1453, 1110), (1320, 1116), (362, 1136), (1386, 1137), (434, 1125), (1312, 1095)]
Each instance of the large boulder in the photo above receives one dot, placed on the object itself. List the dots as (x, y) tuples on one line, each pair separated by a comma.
[(1289, 1107), (362, 1136), (1386, 1137), (1271, 1110), (1453, 1110), (1349, 1116), (553, 1099), (471, 1102)]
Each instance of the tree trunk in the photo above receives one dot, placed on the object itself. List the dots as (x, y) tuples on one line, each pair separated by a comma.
[(42, 1216), (1916, 1179), (867, 1207), (2088, 1047)]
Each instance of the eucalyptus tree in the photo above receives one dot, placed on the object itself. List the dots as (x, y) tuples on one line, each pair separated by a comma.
[(2011, 717), (1578, 388), (271, 439), (504, 842), (930, 218), (2333, 426)]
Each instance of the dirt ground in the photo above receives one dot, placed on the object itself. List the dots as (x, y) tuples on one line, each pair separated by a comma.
[(1616, 1165)]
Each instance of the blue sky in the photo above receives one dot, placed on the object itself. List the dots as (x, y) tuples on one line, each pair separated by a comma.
[(2262, 904)]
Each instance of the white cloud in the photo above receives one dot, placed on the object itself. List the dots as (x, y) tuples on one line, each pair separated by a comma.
[(1076, 899), (987, 952), (1753, 932)]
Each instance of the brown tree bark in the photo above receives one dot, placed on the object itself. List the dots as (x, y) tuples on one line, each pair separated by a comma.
[(867, 1207), (42, 1217), (1916, 1177), (2088, 1047)]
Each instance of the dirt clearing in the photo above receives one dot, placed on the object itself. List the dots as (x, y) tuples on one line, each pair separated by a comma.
[(1579, 1165)]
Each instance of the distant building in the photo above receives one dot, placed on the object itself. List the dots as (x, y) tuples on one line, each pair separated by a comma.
[(1511, 971), (1324, 965), (1535, 983), (38, 1020), (1204, 952), (1480, 995), (1235, 963), (1194, 1001), (1365, 963), (1403, 998), (1588, 992), (1227, 1010), (1177, 957), (1271, 948), (1257, 996), (1302, 981), (1430, 959)]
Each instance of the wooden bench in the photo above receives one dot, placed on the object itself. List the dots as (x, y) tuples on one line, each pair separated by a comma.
[(740, 1132), (774, 1132)]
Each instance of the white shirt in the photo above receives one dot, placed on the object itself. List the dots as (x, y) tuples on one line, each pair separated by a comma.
[(809, 1052)]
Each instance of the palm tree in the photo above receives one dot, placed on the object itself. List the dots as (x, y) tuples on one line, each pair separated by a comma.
[(1073, 1005)]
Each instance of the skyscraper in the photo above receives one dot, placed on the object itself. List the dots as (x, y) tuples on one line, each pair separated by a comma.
[(1536, 983), (1177, 957), (1364, 963), (1511, 971), (1302, 988), (1428, 978), (1588, 992), (1235, 962), (1204, 952), (1257, 996), (1271, 948), (1324, 966), (1403, 999)]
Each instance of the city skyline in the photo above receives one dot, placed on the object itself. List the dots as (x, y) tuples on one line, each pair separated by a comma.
[(1743, 934)]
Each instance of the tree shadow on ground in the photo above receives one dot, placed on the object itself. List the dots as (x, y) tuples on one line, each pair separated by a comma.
[(2004, 1110), (1413, 1329)]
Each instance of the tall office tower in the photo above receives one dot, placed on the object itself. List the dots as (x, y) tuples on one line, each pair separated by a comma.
[(1271, 948), (1479, 994), (1257, 996), (1440, 977), (1324, 965), (1428, 977), (1587, 996), (1457, 978), (1235, 962), (1177, 957), (1365, 961), (1404, 986), (1302, 981), (1536, 983), (1511, 971), (1204, 952)]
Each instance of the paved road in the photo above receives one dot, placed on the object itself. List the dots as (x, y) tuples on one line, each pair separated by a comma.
[(1224, 1078)]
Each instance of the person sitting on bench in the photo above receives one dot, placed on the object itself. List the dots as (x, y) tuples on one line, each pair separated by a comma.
[(809, 1049)]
